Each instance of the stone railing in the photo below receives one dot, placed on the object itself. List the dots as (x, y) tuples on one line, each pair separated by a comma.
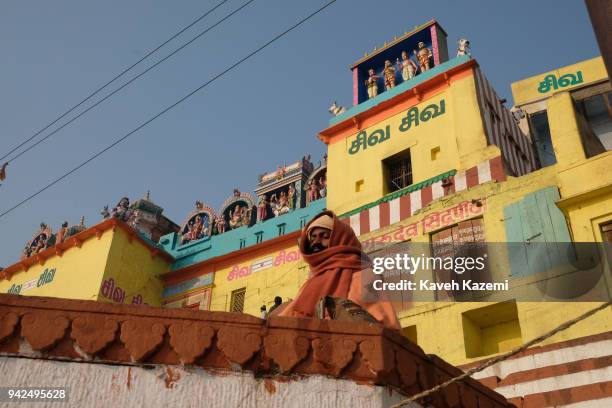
[(74, 330)]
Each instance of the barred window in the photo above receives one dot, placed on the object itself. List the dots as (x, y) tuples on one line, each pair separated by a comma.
[(398, 171), (237, 300), (606, 232)]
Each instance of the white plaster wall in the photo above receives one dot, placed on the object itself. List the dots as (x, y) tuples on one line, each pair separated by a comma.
[(104, 385)]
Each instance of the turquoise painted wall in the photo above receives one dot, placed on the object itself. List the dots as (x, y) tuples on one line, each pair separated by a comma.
[(217, 245)]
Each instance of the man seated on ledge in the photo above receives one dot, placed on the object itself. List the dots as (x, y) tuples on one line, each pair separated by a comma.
[(333, 252)]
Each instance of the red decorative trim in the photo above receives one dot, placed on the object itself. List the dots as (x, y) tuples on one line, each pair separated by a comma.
[(551, 347), (489, 171), (385, 215), (364, 221), (497, 169), (404, 206), (590, 392), (426, 196), (471, 176)]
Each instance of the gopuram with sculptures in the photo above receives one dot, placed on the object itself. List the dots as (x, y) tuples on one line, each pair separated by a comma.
[(428, 154)]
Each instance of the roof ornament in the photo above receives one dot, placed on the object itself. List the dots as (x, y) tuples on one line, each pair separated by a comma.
[(335, 109), (464, 47)]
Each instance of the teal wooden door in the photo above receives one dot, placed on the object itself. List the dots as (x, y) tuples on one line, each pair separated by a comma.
[(540, 227)]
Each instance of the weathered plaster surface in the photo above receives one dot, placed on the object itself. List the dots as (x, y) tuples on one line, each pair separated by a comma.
[(96, 385)]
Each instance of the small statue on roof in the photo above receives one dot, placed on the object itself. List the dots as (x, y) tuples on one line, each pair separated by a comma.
[(322, 186), (423, 55), (464, 47), (62, 233), (291, 197), (336, 109), (220, 225), (122, 210), (389, 75), (262, 208), (372, 83), (406, 66), (313, 191)]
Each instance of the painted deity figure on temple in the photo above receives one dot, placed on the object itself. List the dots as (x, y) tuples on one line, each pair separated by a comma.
[(372, 83), (322, 186), (122, 209), (291, 197), (389, 75), (406, 66), (313, 191), (41, 245), (196, 229), (246, 217), (274, 204), (423, 55), (220, 224), (283, 204), (262, 208), (186, 235), (61, 234), (236, 218)]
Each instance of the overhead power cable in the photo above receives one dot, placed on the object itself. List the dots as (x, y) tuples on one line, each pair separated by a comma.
[(184, 98), (119, 75), (130, 81)]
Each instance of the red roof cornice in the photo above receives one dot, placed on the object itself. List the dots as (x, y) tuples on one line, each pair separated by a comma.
[(77, 240)]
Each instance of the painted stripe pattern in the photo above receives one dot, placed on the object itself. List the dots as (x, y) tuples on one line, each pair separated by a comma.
[(391, 212), (502, 131)]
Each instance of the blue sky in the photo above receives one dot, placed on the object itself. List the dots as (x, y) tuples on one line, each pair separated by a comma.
[(265, 113)]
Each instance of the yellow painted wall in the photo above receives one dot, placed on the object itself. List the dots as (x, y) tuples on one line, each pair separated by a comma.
[(78, 272), (458, 133), (134, 270), (526, 90), (440, 327), (585, 184), (261, 287)]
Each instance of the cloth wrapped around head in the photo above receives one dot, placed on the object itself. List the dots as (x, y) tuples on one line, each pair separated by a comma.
[(324, 221), (335, 271)]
